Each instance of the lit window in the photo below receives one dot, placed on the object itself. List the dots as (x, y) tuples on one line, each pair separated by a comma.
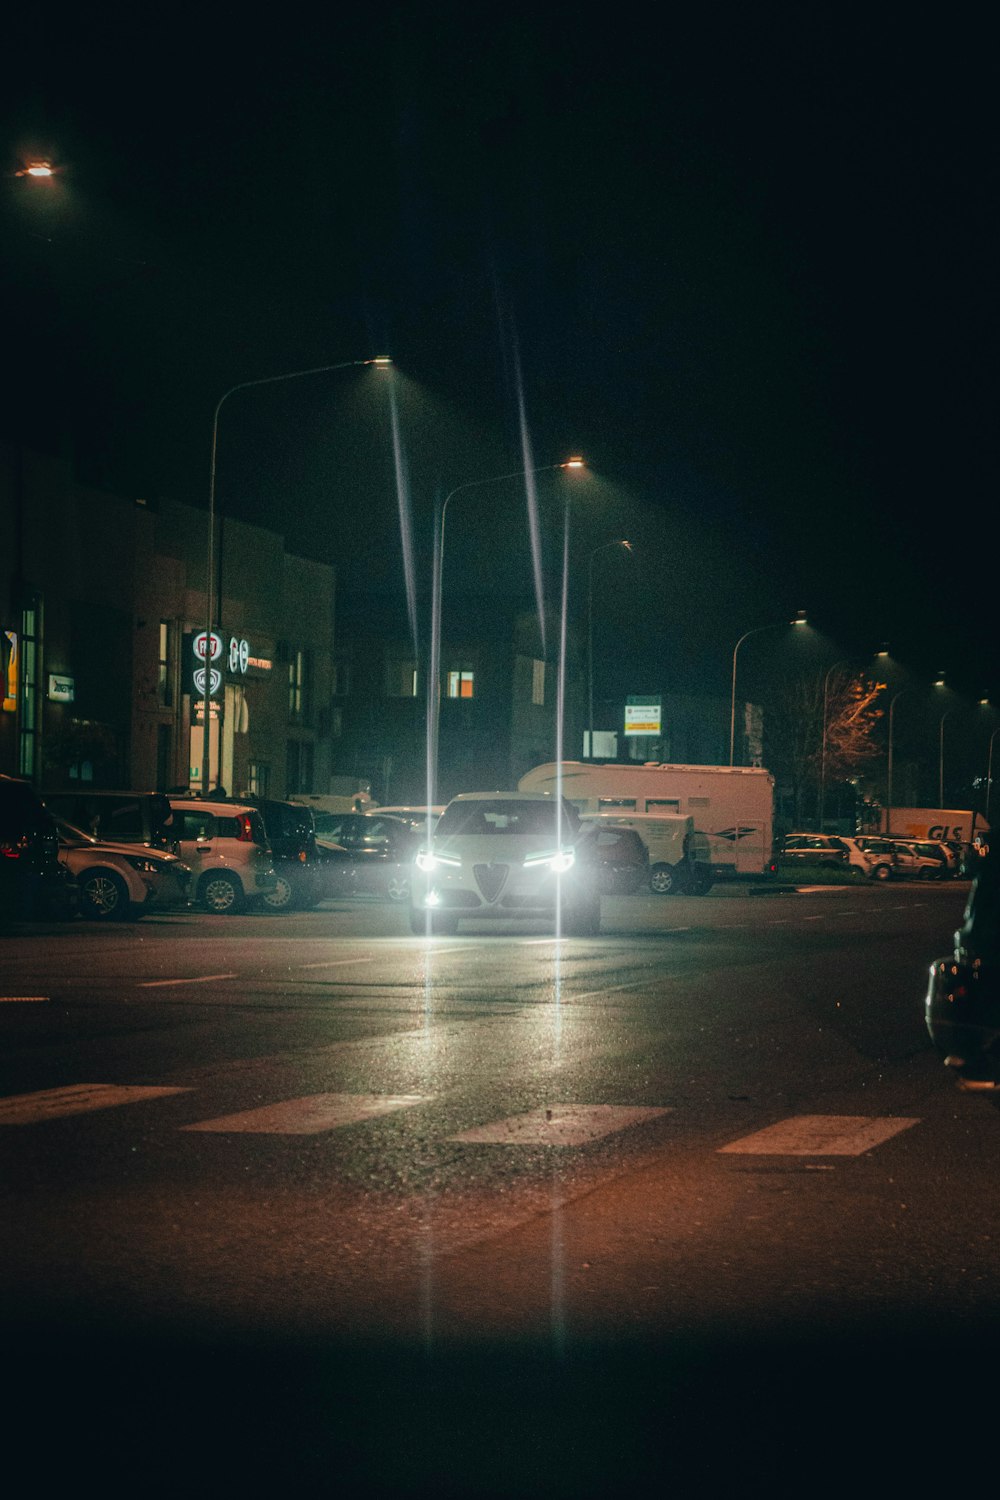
[(460, 684), (537, 681), (163, 683), (259, 778), (298, 685)]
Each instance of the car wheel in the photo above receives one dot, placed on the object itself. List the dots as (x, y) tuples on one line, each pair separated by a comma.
[(282, 898), (881, 872), (103, 896), (397, 887), (222, 894), (663, 880)]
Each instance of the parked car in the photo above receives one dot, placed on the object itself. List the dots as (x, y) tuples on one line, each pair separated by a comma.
[(117, 817), (962, 1004), (835, 849), (33, 881), (367, 854), (881, 852), (679, 857), (119, 882), (921, 859), (618, 855), (291, 834), (417, 817), (504, 855), (225, 844)]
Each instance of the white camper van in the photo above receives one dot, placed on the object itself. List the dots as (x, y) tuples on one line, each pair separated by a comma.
[(733, 806)]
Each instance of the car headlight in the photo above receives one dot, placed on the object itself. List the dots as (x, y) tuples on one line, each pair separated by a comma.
[(143, 865), (427, 861), (559, 862)]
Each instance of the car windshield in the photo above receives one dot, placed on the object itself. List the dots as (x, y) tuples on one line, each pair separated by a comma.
[(73, 835), (503, 817)]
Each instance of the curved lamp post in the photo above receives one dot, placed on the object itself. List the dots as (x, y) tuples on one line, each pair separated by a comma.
[(382, 361), (434, 674), (888, 780), (590, 634), (989, 771), (800, 619)]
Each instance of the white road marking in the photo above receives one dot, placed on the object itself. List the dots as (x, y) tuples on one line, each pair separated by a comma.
[(157, 984), (76, 1099), (562, 1125), (24, 999), (821, 1135), (336, 963), (310, 1114)]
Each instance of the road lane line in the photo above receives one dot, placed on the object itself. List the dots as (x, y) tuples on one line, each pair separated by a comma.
[(820, 1135), (309, 1115), (335, 963), (153, 984), (75, 1099)]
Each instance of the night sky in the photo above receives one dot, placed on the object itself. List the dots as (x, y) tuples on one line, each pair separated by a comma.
[(740, 257)]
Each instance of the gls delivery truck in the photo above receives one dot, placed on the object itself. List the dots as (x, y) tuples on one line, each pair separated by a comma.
[(733, 806)]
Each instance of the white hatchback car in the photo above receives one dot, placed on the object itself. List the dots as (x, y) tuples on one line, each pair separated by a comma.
[(226, 846), (120, 882), (504, 855)]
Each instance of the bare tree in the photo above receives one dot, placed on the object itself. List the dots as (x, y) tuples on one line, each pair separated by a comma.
[(820, 728)]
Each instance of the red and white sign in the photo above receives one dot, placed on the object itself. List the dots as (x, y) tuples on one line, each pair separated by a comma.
[(199, 645)]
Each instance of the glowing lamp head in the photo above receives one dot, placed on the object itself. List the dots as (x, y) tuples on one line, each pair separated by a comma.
[(800, 618), (37, 169), (381, 362), (574, 463)]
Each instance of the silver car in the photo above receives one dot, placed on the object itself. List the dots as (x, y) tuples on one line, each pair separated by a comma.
[(504, 855), (120, 882)]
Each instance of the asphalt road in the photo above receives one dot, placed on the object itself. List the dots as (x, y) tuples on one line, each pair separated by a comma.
[(305, 1200)]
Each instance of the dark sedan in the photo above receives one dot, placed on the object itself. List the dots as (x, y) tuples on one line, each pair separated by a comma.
[(366, 854)]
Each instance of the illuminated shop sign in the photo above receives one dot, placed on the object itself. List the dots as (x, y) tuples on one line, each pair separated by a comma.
[(228, 656), (61, 688), (642, 716)]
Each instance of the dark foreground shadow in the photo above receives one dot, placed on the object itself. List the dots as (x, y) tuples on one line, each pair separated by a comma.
[(857, 1411)]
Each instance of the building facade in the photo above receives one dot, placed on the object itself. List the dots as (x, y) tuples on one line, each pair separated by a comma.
[(103, 612)]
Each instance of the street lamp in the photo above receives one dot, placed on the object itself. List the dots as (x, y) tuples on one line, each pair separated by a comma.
[(941, 753), (381, 361), (989, 771), (800, 619), (590, 634), (888, 779), (434, 674)]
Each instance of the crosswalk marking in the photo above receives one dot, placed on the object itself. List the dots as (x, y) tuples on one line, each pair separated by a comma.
[(309, 1115), (76, 1099), (562, 1125), (821, 1135), (559, 1125)]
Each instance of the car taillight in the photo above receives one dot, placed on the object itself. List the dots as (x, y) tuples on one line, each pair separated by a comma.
[(13, 851), (245, 834)]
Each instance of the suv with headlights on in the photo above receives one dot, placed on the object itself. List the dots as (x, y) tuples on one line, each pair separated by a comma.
[(504, 855)]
